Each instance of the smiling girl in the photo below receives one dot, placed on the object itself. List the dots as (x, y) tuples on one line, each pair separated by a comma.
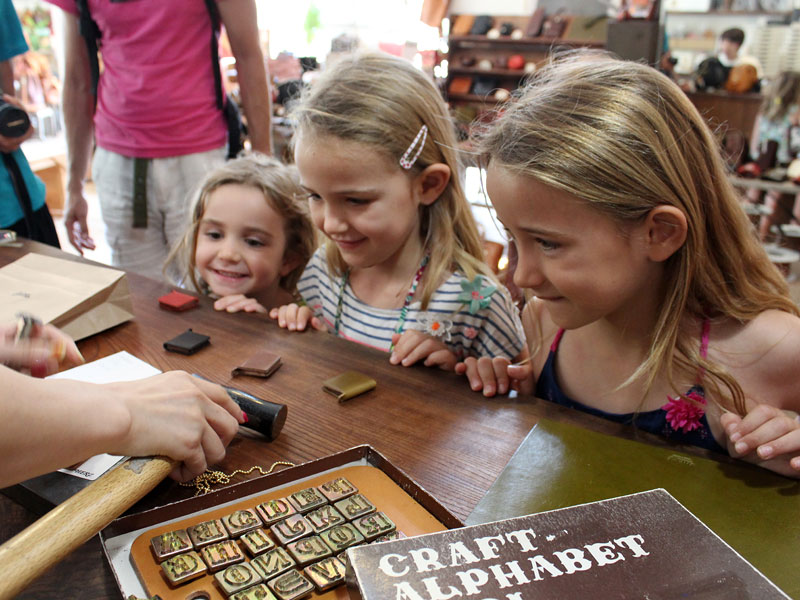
[(249, 238), (653, 302), (403, 268)]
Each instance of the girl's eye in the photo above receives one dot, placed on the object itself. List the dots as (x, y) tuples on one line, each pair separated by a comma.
[(254, 243), (310, 196), (547, 244), (214, 235), (358, 201)]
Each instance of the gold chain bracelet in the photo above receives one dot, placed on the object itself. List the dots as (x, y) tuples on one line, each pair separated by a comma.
[(204, 481)]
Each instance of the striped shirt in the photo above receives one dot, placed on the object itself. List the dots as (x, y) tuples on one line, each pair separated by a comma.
[(493, 331)]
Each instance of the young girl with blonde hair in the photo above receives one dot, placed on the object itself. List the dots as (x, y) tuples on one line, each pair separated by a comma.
[(653, 300), (248, 239), (402, 268)]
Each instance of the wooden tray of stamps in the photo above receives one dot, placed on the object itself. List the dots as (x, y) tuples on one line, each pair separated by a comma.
[(136, 546)]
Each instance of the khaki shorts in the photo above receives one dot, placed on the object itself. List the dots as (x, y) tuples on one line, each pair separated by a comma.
[(171, 184)]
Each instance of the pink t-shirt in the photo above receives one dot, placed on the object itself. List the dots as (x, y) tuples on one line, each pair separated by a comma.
[(156, 93)]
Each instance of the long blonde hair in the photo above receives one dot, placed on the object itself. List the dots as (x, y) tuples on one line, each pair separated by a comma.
[(625, 139), (279, 184), (382, 102)]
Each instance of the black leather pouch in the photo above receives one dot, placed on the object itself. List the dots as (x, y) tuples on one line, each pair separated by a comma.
[(188, 342)]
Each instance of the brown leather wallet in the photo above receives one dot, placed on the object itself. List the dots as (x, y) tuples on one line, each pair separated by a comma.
[(261, 364), (349, 385)]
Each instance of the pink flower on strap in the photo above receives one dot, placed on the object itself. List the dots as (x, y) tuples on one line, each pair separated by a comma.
[(685, 416)]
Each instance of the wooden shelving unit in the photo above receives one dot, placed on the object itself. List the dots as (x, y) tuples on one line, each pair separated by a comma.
[(468, 55)]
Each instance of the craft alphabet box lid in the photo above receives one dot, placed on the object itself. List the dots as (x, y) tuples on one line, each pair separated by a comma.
[(645, 545)]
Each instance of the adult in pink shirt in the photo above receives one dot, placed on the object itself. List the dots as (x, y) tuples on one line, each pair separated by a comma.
[(156, 100)]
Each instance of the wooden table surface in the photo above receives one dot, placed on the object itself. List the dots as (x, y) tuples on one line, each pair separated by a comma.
[(450, 440)]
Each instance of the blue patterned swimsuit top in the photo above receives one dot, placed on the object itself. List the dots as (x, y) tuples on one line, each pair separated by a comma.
[(677, 420)]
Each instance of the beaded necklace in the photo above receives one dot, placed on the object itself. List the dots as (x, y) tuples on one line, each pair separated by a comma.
[(403, 311)]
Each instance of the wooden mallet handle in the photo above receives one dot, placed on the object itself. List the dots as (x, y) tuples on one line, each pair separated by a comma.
[(50, 539)]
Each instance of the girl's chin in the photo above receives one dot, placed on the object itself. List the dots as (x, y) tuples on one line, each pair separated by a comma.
[(228, 289)]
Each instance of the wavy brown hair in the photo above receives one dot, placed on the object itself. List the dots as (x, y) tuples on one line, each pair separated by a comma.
[(382, 102), (624, 138)]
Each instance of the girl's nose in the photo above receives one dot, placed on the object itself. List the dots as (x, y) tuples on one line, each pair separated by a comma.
[(333, 221), (528, 273), (229, 251)]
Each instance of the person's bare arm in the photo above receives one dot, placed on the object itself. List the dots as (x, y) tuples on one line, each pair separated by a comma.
[(7, 77), (78, 122), (239, 18), (46, 424)]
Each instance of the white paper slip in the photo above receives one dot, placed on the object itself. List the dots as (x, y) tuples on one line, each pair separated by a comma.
[(121, 366)]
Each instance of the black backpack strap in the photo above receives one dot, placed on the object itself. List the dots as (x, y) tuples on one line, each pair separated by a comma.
[(213, 12), (90, 33), (230, 111)]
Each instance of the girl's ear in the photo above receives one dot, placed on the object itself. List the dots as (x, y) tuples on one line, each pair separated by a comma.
[(290, 262), (430, 184), (666, 229)]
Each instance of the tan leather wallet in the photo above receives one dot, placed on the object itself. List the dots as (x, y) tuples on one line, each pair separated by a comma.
[(348, 385), (261, 364)]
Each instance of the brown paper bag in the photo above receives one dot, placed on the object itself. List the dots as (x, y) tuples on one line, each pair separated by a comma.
[(79, 298)]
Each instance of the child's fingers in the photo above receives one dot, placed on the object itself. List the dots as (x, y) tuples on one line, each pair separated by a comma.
[(303, 317), (250, 305), (419, 351), (281, 316), (254, 307), (442, 358), (238, 306), (522, 378), (224, 302), (487, 374), (287, 316), (500, 365), (729, 421), (469, 368), (472, 367), (787, 444), (754, 419), (767, 434), (403, 344), (473, 372), (291, 317)]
